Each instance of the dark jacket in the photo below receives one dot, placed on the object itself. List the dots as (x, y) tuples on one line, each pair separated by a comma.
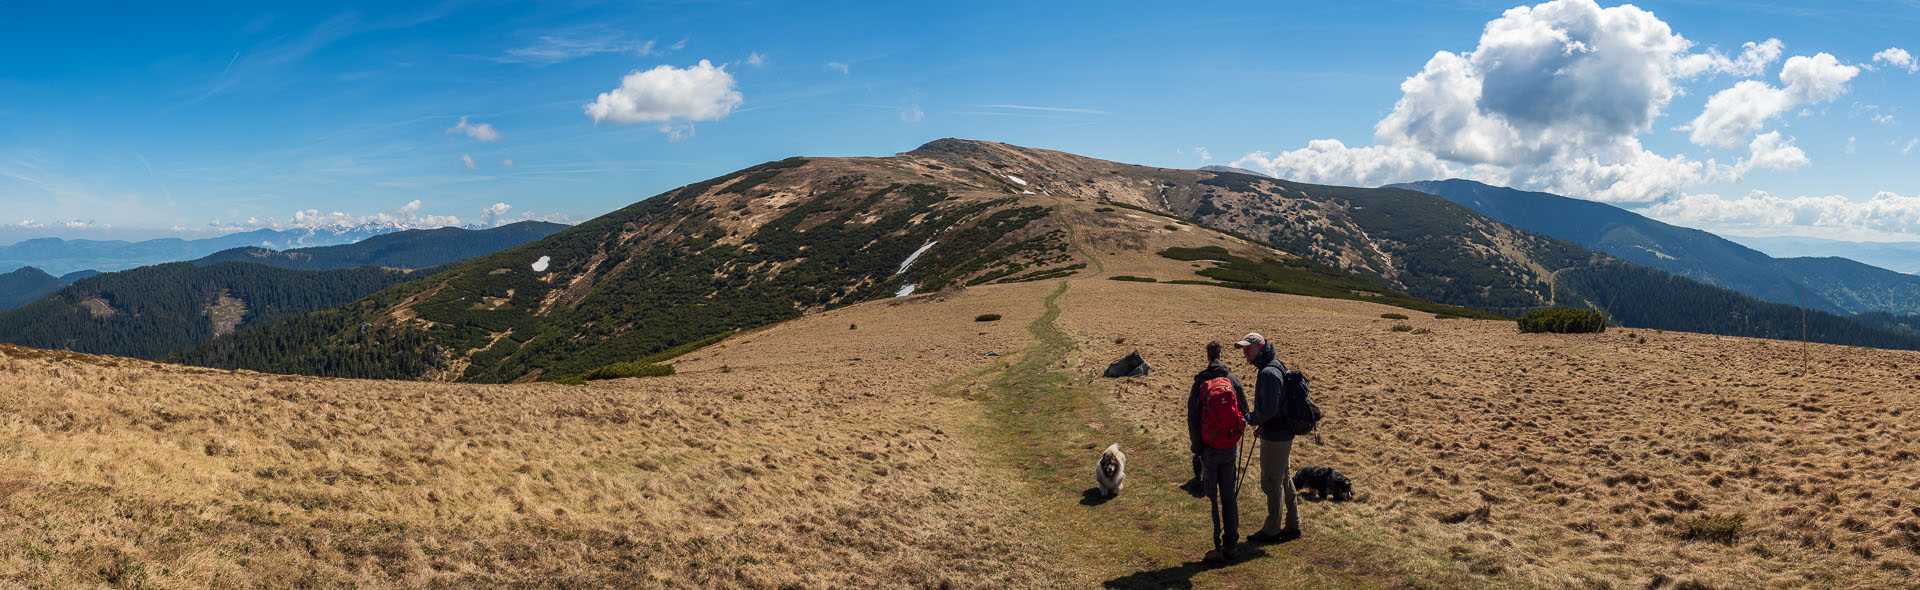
[(1197, 399), (1269, 403)]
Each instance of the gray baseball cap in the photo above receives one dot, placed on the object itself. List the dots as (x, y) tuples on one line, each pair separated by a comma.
[(1250, 339)]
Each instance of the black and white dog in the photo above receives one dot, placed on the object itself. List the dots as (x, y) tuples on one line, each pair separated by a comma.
[(1326, 482), (1111, 473)]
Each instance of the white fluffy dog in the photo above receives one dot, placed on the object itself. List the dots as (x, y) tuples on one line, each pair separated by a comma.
[(1111, 473)]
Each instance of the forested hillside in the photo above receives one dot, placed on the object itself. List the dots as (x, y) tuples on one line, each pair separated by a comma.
[(150, 311), (25, 285)]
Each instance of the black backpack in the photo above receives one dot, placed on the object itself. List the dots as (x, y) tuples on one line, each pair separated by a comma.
[(1302, 415)]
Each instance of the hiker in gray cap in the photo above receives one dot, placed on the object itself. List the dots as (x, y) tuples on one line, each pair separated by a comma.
[(1276, 441)]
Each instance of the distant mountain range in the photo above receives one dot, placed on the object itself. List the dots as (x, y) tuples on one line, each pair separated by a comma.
[(1836, 285), (415, 248), (1897, 256), (156, 309), (60, 256)]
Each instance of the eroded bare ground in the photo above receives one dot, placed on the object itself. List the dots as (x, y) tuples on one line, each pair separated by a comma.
[(1559, 460), (804, 455), (835, 451)]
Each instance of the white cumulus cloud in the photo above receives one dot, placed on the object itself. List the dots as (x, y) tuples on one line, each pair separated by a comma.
[(1734, 114), (1555, 97), (1752, 61), (1329, 161), (1759, 213), (673, 97), (1898, 58), (468, 161), (480, 131), (1768, 150), (493, 214)]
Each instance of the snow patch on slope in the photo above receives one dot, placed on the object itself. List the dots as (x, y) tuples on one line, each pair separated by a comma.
[(915, 256)]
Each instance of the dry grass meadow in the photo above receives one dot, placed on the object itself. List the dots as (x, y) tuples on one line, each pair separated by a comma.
[(901, 443), (1616, 460), (804, 455)]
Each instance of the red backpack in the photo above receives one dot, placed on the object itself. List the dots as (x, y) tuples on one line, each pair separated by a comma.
[(1221, 422)]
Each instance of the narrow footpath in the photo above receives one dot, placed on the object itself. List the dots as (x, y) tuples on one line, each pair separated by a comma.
[(1048, 425)]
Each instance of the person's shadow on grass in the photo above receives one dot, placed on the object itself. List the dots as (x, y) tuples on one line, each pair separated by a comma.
[(1094, 497), (1181, 576), (1192, 487)]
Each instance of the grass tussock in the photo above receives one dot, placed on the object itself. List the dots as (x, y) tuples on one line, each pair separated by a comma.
[(1393, 316), (1719, 528), (987, 317)]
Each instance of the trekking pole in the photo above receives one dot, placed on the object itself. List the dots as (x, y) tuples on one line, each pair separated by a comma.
[(1240, 474)]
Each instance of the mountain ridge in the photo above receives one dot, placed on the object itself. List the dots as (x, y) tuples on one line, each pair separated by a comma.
[(1834, 285), (774, 241)]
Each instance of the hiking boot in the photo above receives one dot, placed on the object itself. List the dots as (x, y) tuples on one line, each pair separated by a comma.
[(1216, 556), (1282, 536)]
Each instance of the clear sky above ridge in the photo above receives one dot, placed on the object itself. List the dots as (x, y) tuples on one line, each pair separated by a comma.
[(141, 120)]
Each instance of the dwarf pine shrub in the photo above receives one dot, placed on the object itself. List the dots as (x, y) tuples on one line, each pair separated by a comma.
[(1561, 320)]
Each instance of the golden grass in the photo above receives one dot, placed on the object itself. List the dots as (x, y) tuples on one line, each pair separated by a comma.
[(882, 445), (812, 460), (1559, 460)]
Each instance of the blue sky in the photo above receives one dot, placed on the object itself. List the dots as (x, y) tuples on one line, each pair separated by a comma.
[(142, 120)]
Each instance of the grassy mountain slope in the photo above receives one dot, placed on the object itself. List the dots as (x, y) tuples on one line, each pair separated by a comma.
[(152, 310), (1411, 241), (774, 241), (25, 285), (416, 248), (1832, 284), (747, 249)]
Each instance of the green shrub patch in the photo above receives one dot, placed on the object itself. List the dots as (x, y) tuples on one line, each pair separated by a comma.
[(1300, 276), (1561, 320)]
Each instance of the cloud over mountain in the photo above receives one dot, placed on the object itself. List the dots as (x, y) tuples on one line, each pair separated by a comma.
[(674, 97), (1735, 114), (1555, 96)]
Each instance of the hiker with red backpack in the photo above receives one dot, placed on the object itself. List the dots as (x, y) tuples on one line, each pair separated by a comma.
[(1216, 417)]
